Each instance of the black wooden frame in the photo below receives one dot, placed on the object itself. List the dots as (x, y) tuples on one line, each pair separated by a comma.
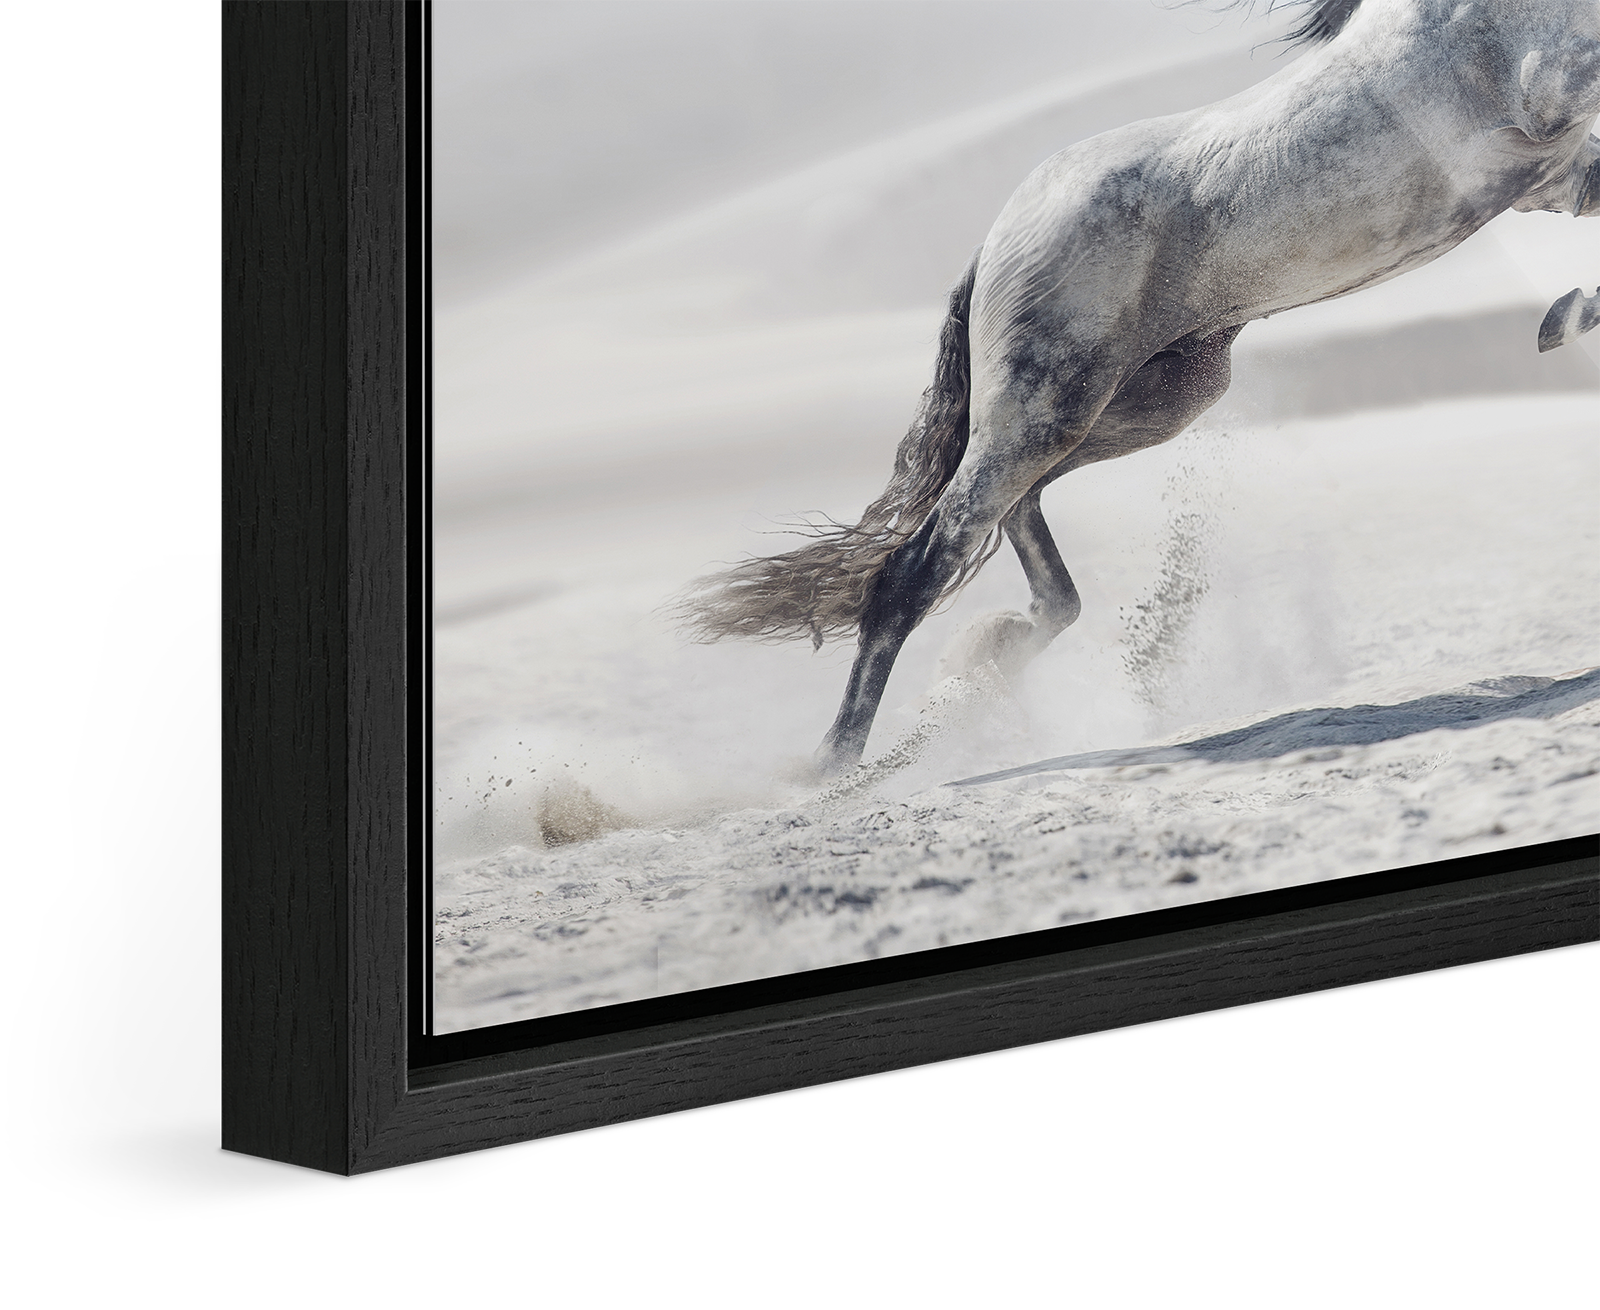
[(325, 396)]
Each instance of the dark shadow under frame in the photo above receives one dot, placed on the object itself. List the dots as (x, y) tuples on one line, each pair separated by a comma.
[(324, 371)]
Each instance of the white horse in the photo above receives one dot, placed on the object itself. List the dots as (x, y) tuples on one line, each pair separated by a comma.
[(1097, 317)]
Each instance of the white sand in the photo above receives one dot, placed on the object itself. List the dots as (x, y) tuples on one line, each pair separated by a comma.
[(1373, 560), (764, 892)]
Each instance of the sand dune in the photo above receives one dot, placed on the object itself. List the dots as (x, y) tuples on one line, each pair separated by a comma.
[(562, 128)]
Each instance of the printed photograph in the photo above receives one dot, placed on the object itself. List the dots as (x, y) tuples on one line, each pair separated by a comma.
[(913, 472)]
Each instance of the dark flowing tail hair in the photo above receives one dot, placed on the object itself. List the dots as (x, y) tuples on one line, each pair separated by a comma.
[(1323, 21), (820, 590)]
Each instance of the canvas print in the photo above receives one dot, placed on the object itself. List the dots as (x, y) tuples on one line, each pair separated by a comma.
[(910, 472)]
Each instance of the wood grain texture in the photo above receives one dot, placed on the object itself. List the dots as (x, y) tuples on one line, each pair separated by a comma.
[(380, 526), (286, 951), (323, 394)]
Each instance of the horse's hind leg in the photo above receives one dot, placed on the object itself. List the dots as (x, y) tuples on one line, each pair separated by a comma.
[(1055, 604), (1024, 434), (1018, 436), (911, 583), (1155, 405), (1011, 639)]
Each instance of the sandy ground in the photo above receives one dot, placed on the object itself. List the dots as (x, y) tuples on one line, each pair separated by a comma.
[(628, 827), (1365, 585), (763, 892)]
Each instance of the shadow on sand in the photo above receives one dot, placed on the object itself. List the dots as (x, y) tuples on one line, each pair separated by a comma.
[(1358, 725)]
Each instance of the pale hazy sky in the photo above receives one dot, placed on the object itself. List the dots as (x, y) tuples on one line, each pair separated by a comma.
[(561, 124)]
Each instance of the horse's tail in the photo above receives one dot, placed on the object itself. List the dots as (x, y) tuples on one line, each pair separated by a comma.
[(820, 590)]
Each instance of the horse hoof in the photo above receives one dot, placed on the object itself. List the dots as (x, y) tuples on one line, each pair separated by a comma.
[(1569, 318), (1007, 640)]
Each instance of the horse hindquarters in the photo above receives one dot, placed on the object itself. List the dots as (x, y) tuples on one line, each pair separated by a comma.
[(1167, 394), (1019, 430), (1014, 452)]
